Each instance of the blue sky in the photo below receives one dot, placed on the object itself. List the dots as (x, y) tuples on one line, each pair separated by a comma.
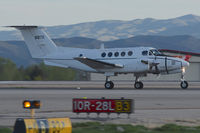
[(64, 12)]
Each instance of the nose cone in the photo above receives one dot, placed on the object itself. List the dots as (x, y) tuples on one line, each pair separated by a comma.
[(185, 63)]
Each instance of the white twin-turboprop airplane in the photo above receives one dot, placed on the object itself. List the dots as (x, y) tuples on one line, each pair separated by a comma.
[(111, 61)]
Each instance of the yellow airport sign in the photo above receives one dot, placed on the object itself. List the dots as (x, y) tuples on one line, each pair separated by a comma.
[(49, 125)]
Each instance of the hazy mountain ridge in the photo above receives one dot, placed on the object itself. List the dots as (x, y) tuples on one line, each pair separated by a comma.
[(18, 52), (116, 29)]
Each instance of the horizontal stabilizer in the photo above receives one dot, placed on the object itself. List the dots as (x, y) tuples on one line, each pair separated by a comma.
[(23, 27)]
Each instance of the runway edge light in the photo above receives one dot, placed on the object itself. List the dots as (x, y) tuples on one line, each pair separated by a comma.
[(27, 104), (36, 104), (31, 104)]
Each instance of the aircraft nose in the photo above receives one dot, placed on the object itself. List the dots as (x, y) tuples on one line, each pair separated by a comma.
[(185, 63)]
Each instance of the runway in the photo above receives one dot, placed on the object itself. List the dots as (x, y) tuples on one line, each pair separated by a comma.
[(93, 84), (153, 106)]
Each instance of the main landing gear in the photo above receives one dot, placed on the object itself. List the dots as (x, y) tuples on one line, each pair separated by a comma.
[(108, 84), (138, 84)]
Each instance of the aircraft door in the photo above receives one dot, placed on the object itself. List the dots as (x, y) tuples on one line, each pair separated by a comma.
[(169, 65)]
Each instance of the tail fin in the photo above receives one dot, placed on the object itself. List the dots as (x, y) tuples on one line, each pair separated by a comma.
[(37, 40)]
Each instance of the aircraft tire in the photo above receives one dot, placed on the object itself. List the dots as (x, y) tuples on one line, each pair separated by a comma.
[(138, 85), (109, 85), (184, 84)]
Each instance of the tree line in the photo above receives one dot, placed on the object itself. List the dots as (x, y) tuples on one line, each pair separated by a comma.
[(10, 72)]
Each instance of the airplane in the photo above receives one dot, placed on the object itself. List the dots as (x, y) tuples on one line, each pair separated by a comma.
[(139, 61)]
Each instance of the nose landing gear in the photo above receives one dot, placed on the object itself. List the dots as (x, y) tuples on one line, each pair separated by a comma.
[(184, 83)]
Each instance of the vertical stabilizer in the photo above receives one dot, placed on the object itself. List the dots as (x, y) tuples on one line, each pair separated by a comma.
[(37, 40)]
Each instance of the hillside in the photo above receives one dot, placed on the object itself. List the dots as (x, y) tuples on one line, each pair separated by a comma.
[(17, 52), (179, 42), (108, 30)]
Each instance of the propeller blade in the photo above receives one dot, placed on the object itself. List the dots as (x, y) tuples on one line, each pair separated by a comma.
[(151, 65), (155, 64)]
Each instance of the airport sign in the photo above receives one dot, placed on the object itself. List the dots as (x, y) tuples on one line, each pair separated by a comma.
[(49, 125), (102, 105)]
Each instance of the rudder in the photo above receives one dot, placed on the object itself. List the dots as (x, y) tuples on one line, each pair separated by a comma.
[(37, 40)]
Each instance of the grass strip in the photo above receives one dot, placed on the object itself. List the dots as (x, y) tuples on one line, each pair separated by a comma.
[(96, 127)]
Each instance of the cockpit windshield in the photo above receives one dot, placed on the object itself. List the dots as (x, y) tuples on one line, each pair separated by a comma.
[(156, 52)]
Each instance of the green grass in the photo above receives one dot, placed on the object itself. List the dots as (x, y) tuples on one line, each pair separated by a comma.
[(5, 130), (96, 127)]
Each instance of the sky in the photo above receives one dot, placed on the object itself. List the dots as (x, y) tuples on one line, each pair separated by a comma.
[(65, 12)]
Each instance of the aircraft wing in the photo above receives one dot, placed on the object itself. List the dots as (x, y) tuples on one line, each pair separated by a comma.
[(95, 64)]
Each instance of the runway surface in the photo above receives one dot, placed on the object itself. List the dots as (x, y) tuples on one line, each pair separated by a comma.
[(154, 106), (92, 84)]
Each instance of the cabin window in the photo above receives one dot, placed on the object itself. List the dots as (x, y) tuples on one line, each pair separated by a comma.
[(144, 53), (123, 53), (109, 54), (130, 53), (103, 54), (116, 54)]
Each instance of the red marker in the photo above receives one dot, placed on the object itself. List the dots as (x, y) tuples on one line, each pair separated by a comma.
[(187, 57)]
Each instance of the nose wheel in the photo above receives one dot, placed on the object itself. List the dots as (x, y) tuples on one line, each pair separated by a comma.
[(184, 84)]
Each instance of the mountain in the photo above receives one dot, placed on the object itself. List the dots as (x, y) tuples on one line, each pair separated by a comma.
[(18, 52), (108, 30), (178, 42), (78, 42)]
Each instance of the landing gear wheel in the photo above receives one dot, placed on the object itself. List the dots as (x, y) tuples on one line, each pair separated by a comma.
[(184, 84), (109, 85), (138, 85)]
